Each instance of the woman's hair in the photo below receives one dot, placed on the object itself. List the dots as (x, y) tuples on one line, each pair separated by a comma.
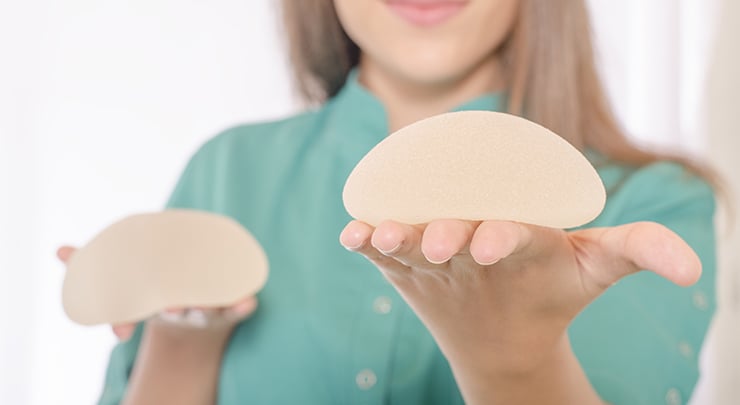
[(548, 61)]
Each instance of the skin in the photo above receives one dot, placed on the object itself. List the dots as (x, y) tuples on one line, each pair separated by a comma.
[(497, 296), (418, 72)]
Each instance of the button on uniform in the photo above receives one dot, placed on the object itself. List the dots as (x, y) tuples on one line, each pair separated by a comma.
[(673, 397), (372, 345), (685, 349), (700, 300), (382, 305), (366, 379)]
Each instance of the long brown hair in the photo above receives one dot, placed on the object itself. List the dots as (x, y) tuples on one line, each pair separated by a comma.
[(548, 60)]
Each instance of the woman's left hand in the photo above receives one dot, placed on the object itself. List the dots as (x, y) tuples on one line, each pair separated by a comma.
[(498, 296)]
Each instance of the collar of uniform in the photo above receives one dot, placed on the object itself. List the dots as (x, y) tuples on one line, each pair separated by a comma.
[(361, 117), (356, 114)]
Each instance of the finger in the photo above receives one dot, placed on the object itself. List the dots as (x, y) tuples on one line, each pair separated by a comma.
[(173, 315), (175, 311), (495, 240), (399, 241), (356, 238), (65, 252), (199, 317), (124, 332), (445, 238), (242, 309), (355, 235), (195, 317), (646, 246)]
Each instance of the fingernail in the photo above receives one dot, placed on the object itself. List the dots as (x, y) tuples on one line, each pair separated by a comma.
[(390, 251), (197, 318), (439, 261), (354, 247), (491, 263), (169, 316)]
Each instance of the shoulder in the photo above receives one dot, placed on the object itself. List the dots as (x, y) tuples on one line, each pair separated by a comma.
[(658, 190), (237, 159), (266, 135), (669, 176), (669, 183)]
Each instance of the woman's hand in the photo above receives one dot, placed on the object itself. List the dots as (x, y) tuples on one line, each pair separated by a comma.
[(498, 296), (179, 356), (182, 319)]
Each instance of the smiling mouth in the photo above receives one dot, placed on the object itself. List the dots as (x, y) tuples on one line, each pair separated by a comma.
[(426, 12)]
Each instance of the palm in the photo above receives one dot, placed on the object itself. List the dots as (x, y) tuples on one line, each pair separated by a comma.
[(512, 286)]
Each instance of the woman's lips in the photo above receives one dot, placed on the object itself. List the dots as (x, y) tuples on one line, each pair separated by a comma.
[(426, 13)]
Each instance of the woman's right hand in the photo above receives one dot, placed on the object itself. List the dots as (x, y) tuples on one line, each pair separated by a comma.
[(223, 318), (180, 353)]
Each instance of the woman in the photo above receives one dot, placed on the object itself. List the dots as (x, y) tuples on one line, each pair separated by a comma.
[(490, 313)]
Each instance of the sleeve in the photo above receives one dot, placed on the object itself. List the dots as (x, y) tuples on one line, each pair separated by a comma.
[(119, 368), (640, 342), (191, 191)]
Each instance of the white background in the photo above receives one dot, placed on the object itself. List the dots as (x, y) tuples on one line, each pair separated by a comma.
[(102, 102)]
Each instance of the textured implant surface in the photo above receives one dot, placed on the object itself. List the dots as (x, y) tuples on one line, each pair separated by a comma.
[(475, 165), (145, 263)]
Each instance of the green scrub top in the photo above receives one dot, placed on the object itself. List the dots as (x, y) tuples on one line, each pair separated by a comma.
[(331, 330)]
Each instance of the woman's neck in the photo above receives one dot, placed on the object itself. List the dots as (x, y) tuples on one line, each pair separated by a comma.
[(407, 101)]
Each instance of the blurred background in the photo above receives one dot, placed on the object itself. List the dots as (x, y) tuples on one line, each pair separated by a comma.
[(102, 102)]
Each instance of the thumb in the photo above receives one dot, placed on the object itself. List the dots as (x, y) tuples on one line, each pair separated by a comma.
[(65, 252), (124, 332), (630, 248)]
